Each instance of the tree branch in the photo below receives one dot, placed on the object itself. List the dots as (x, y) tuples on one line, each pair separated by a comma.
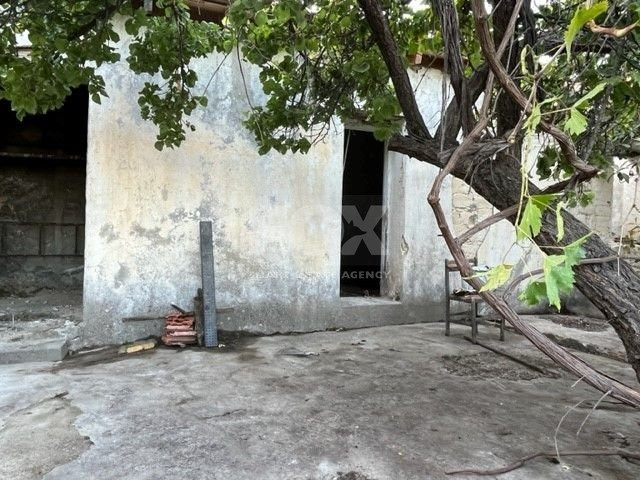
[(462, 157), (486, 223), (611, 31), (451, 126), (567, 360), (488, 48), (397, 68), (448, 15), (521, 461)]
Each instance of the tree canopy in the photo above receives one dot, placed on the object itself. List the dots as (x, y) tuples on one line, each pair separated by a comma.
[(318, 59)]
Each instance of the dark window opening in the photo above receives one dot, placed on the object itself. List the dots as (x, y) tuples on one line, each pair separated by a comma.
[(361, 252), (42, 198)]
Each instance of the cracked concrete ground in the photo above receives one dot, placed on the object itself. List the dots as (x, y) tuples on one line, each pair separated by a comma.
[(39, 327), (401, 402)]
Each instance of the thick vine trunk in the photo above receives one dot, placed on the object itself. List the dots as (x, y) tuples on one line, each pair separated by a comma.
[(497, 177), (614, 287)]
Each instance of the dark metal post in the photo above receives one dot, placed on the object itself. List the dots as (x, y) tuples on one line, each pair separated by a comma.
[(76, 244), (208, 285), (474, 321)]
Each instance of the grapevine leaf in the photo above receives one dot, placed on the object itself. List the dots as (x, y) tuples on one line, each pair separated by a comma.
[(543, 201), (496, 277), (531, 221), (591, 94), (535, 293), (576, 123), (574, 251), (558, 278), (582, 16)]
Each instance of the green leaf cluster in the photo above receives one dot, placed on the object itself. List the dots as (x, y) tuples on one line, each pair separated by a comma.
[(164, 47), (68, 41), (496, 276), (558, 276), (531, 219), (319, 61)]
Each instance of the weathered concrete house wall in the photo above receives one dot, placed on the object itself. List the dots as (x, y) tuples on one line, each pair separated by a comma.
[(276, 219)]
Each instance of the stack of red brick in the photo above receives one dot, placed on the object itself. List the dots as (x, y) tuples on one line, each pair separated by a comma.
[(179, 329)]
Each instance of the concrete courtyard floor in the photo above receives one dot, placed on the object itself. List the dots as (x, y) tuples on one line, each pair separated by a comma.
[(400, 402)]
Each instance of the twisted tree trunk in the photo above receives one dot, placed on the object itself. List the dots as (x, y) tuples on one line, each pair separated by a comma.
[(614, 287), (497, 177)]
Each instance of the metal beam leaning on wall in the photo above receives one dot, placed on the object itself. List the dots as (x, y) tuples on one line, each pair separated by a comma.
[(208, 285)]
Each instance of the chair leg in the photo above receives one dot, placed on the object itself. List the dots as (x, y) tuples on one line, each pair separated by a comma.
[(447, 318), (447, 313), (474, 321)]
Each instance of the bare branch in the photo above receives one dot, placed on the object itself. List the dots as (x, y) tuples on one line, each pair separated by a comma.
[(521, 461), (397, 69), (611, 31), (566, 144), (451, 126), (448, 15), (486, 223)]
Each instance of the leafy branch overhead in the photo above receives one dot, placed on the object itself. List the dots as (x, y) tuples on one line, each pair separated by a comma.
[(317, 60)]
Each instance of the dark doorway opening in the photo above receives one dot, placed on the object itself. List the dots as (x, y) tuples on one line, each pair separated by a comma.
[(42, 198), (362, 184)]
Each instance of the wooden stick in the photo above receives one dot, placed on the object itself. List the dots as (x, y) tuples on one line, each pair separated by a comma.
[(521, 461), (507, 355), (611, 31), (487, 222)]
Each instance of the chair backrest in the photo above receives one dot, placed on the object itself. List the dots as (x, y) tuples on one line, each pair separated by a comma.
[(450, 266)]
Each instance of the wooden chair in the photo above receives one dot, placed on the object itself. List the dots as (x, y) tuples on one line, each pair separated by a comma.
[(472, 298)]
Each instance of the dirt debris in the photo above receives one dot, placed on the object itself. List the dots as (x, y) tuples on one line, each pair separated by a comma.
[(586, 324), (351, 476), (488, 365)]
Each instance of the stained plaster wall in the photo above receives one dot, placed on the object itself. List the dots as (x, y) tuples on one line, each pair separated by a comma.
[(276, 218), (425, 249), (625, 212)]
